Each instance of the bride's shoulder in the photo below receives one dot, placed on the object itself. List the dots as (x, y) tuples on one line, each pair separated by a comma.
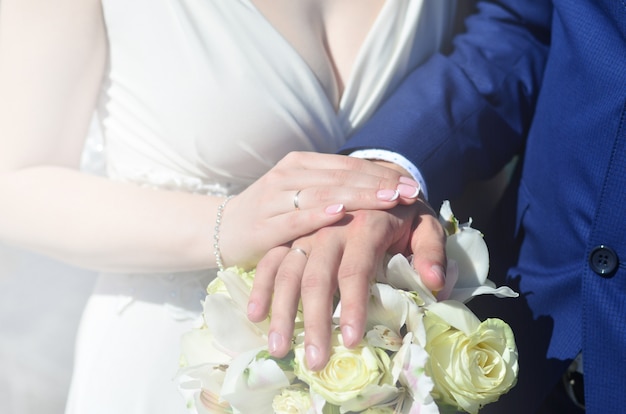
[(53, 54)]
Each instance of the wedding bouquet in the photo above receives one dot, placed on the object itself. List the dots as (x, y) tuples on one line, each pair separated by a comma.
[(423, 352)]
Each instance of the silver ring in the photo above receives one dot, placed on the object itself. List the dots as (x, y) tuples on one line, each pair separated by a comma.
[(299, 250), (296, 201)]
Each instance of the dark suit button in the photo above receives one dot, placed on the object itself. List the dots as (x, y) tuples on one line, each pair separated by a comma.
[(603, 260)]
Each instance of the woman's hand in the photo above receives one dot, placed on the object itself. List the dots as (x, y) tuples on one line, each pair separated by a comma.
[(345, 256), (304, 192)]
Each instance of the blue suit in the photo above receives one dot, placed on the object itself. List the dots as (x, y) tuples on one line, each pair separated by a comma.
[(546, 79)]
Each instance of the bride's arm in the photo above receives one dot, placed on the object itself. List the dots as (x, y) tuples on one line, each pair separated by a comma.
[(52, 60)]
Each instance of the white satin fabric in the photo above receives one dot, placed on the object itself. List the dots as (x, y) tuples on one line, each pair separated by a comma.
[(206, 96)]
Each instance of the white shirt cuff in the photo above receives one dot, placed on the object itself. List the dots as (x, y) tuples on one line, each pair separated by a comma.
[(390, 156)]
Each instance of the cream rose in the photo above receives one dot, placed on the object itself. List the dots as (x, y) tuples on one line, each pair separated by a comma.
[(292, 400), (470, 369), (354, 379)]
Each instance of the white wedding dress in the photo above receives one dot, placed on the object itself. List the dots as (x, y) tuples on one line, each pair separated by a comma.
[(206, 96)]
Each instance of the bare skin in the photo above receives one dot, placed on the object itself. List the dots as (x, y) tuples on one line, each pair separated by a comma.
[(327, 34)]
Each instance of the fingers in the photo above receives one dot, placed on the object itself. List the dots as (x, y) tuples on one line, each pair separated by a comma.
[(268, 232), (263, 285), (316, 160), (406, 196), (292, 225), (345, 256), (299, 223), (285, 301), (318, 288), (353, 198), (302, 193), (301, 170), (409, 190), (278, 276), (295, 280), (429, 251), (289, 176), (358, 268)]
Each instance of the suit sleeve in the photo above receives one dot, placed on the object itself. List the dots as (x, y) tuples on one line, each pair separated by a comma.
[(462, 116)]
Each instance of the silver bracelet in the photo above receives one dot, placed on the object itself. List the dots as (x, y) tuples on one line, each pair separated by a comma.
[(216, 233)]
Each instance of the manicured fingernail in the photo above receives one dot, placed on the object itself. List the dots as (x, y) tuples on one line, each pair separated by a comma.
[(408, 191), (409, 181), (388, 195), (274, 341), (349, 335), (312, 357), (251, 309), (438, 271), (334, 209)]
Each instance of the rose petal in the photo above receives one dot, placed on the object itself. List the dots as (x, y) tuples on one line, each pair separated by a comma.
[(456, 315)]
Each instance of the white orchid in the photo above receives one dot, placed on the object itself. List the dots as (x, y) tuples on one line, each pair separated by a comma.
[(390, 307), (468, 261), (251, 383), (409, 369), (467, 267), (213, 358)]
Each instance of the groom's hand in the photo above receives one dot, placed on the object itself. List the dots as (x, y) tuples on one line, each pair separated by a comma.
[(344, 257)]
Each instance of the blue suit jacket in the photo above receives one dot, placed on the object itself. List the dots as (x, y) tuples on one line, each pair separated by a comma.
[(549, 78)]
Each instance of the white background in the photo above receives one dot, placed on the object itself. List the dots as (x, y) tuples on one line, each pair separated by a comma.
[(40, 304)]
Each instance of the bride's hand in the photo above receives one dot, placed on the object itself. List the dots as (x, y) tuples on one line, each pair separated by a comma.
[(347, 257), (305, 191)]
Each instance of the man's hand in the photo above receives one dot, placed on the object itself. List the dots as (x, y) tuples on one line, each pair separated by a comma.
[(345, 257)]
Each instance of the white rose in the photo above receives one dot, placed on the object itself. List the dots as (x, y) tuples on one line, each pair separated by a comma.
[(354, 379), (292, 400), (470, 369)]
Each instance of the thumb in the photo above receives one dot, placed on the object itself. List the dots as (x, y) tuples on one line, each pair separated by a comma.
[(429, 252)]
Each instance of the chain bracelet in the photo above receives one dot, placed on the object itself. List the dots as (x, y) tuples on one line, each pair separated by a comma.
[(216, 233)]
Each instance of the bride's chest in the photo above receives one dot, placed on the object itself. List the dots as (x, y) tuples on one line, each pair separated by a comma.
[(327, 34)]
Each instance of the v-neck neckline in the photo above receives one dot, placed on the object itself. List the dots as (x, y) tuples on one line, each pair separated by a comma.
[(363, 49)]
